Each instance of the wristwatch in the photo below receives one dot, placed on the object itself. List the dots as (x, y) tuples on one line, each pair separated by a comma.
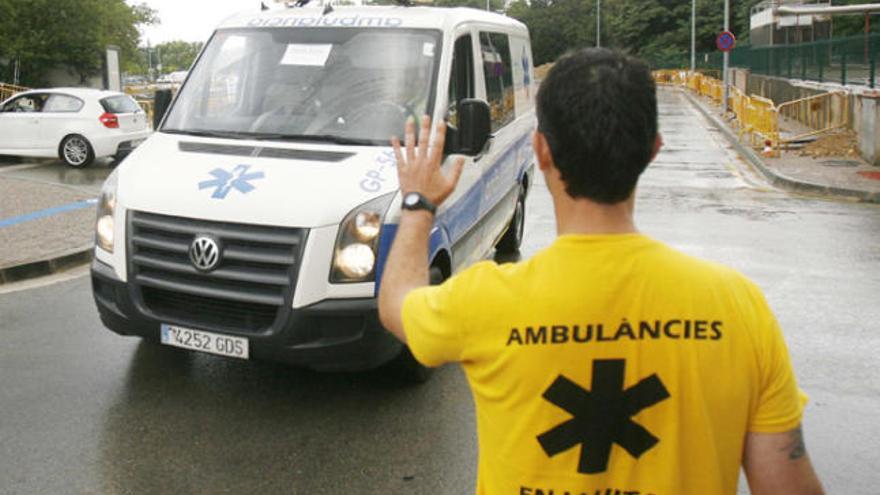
[(416, 201)]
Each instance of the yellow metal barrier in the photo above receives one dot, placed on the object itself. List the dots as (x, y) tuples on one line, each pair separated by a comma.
[(737, 102), (817, 114), (147, 106), (759, 117), (762, 120), (670, 77), (7, 90)]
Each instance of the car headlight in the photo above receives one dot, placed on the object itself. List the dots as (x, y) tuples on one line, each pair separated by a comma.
[(104, 227), (357, 244)]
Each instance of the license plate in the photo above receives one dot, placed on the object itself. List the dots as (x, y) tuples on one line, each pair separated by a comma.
[(199, 340)]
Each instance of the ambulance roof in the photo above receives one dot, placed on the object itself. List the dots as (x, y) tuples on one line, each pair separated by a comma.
[(373, 16)]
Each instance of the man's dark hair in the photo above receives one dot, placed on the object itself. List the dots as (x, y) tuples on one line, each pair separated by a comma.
[(597, 108)]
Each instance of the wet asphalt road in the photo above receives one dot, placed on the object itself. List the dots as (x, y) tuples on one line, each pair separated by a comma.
[(85, 411)]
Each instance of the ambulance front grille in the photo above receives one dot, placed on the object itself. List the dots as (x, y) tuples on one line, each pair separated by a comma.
[(248, 291)]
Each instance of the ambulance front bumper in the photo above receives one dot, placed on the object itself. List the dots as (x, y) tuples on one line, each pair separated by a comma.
[(331, 335)]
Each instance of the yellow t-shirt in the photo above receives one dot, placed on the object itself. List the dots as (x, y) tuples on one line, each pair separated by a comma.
[(609, 364)]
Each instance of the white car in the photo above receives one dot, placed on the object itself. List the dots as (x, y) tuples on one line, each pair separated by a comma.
[(74, 124)]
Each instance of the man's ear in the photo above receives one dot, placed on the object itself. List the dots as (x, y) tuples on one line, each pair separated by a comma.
[(542, 151), (658, 145)]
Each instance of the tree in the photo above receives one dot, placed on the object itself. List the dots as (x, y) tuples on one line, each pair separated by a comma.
[(556, 25), (71, 34), (173, 55), (658, 30)]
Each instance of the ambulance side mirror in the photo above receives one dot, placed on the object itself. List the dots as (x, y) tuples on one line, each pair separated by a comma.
[(474, 128)]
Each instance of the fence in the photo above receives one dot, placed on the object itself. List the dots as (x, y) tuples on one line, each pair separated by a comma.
[(845, 60), (849, 60), (758, 118), (816, 114)]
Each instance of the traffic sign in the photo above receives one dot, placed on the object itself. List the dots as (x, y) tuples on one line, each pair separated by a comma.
[(725, 41)]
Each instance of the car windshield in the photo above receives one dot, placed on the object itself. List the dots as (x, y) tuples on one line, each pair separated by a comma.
[(345, 85)]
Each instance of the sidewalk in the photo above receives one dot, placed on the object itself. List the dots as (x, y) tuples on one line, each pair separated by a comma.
[(837, 176), (44, 228)]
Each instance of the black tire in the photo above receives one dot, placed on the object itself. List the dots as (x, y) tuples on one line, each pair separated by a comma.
[(76, 151), (405, 365), (512, 238)]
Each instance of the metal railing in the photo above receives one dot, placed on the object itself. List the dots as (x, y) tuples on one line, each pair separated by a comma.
[(816, 114), (845, 60)]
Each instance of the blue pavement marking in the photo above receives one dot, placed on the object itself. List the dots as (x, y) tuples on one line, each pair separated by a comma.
[(48, 212)]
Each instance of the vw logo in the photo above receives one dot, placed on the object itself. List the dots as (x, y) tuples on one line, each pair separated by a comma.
[(204, 252)]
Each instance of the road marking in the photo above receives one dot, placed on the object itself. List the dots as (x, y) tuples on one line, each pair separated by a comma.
[(48, 212)]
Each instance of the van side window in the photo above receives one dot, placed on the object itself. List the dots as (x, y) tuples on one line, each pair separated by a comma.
[(499, 78), (461, 79)]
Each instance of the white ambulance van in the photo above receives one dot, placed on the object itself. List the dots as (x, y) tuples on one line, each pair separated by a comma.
[(256, 221)]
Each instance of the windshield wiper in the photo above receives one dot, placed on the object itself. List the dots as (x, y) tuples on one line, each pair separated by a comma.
[(205, 133), (269, 136), (321, 138)]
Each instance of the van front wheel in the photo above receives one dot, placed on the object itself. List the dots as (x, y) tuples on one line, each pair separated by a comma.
[(512, 239)]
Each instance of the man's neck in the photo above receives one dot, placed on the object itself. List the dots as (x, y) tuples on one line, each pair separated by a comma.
[(582, 216)]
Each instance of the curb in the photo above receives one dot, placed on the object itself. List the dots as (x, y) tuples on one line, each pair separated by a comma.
[(776, 178), (41, 268)]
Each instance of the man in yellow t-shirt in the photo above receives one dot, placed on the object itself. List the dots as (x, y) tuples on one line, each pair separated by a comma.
[(608, 363)]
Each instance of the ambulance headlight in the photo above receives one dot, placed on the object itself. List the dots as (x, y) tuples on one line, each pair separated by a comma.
[(356, 261), (357, 244), (104, 227)]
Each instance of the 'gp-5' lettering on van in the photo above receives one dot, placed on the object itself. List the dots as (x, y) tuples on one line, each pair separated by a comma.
[(256, 221)]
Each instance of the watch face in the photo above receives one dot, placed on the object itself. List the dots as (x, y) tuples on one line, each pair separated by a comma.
[(411, 199)]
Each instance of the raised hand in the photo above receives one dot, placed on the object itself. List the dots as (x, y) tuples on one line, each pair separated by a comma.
[(419, 170)]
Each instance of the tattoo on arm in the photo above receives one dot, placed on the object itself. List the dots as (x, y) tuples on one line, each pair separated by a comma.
[(795, 447)]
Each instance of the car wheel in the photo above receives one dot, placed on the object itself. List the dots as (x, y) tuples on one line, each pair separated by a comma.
[(512, 239), (76, 151), (405, 365)]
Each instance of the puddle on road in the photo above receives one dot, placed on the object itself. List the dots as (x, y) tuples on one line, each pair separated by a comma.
[(752, 213)]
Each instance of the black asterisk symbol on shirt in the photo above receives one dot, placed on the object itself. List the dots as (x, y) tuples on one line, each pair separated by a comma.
[(602, 416)]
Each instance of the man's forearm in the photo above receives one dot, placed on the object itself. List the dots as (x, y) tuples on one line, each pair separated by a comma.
[(405, 269)]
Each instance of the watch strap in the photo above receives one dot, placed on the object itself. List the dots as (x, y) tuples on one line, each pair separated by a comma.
[(421, 203)]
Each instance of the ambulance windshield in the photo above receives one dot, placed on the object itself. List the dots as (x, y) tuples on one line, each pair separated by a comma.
[(345, 85)]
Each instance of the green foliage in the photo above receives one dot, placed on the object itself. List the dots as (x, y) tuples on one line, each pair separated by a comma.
[(173, 55), (494, 5), (653, 29), (70, 34), (556, 26)]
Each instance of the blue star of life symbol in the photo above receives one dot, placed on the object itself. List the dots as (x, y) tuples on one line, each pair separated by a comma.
[(224, 181)]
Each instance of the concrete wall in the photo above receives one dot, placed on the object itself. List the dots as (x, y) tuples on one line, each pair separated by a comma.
[(867, 109)]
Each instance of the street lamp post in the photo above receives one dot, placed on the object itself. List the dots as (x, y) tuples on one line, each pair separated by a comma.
[(598, 23), (693, 35), (726, 76)]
